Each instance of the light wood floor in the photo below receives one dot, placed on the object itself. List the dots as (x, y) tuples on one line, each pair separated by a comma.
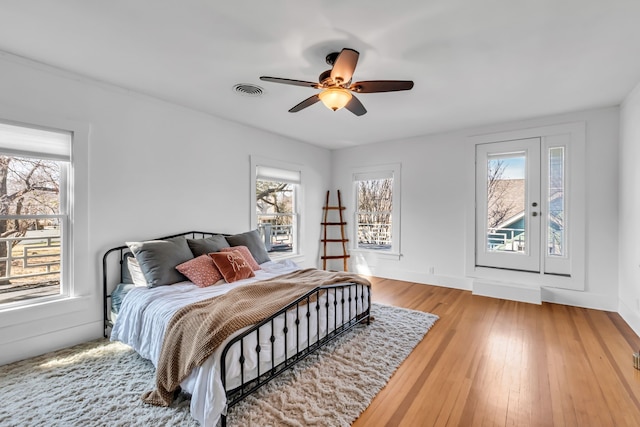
[(490, 362)]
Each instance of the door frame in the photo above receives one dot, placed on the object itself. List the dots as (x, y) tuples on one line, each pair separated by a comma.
[(576, 165)]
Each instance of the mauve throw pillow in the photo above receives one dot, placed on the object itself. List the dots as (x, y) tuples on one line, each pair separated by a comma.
[(201, 271), (246, 254), (232, 265)]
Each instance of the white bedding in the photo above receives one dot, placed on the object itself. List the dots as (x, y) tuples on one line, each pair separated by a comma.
[(145, 313)]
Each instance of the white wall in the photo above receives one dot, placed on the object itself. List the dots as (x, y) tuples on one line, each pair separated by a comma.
[(153, 169), (629, 213), (436, 173)]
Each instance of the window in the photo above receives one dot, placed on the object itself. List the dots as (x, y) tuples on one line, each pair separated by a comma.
[(556, 243), (377, 219), (276, 191), (34, 165)]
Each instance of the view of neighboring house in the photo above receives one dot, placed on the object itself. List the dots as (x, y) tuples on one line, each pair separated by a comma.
[(506, 215)]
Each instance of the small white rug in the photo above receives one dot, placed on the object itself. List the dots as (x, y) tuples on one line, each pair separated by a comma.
[(99, 383)]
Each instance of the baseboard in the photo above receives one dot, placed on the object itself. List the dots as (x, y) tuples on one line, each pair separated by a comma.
[(580, 299), (428, 279), (630, 316), (507, 291), (528, 293), (51, 341)]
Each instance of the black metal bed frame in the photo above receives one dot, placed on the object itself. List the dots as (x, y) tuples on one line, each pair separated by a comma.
[(309, 305)]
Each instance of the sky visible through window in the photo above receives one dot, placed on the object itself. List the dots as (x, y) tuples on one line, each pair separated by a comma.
[(514, 167)]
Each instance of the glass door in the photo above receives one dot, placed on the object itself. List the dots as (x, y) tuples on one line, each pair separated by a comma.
[(508, 210)]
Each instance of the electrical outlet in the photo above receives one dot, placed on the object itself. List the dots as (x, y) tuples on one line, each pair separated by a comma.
[(432, 270), (638, 304)]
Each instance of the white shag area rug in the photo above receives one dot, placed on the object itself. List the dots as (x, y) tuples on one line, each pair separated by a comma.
[(99, 383)]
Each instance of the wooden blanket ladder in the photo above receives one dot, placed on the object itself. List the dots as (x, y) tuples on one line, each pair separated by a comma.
[(326, 223)]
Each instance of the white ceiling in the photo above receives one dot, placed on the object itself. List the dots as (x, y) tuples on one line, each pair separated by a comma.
[(474, 62)]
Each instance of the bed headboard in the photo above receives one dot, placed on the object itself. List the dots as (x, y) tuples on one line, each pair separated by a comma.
[(114, 266)]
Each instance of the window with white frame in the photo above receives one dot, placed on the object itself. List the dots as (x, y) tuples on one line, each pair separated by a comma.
[(276, 191), (377, 207), (34, 168)]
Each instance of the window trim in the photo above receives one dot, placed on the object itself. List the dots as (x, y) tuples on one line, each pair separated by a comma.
[(79, 262), (292, 169), (375, 172), (56, 146)]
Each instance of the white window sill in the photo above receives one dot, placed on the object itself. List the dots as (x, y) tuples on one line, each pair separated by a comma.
[(42, 308), (380, 254), (297, 258)]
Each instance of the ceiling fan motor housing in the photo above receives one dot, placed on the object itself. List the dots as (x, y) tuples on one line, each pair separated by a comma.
[(331, 58), (325, 78)]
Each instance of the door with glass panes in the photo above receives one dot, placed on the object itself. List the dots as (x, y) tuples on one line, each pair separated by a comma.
[(521, 206)]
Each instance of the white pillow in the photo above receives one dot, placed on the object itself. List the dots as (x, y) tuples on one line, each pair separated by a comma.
[(136, 272)]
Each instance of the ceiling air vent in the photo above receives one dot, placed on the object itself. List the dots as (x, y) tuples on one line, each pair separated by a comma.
[(248, 89)]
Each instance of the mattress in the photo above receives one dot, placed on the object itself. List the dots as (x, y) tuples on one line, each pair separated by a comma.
[(145, 313)]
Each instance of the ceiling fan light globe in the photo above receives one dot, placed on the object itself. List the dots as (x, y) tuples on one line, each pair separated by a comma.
[(335, 98)]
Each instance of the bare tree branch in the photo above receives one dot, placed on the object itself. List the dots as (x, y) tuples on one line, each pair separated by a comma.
[(27, 186), (499, 207)]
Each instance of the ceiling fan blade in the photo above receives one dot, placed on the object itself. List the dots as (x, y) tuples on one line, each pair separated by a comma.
[(372, 86), (306, 103), (355, 106), (289, 81), (344, 66)]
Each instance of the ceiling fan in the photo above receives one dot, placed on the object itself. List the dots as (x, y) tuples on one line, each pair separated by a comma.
[(336, 87)]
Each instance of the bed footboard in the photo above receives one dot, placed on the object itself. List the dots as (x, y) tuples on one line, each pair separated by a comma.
[(267, 349)]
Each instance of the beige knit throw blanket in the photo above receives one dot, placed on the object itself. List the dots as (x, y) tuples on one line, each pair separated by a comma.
[(196, 330)]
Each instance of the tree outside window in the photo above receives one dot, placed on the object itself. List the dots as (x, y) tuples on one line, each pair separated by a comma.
[(34, 175), (375, 202), (30, 226), (375, 198), (275, 208)]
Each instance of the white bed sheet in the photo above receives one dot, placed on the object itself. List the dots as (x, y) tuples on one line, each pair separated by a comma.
[(145, 313)]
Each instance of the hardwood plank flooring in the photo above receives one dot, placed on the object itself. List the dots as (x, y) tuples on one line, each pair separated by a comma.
[(491, 362)]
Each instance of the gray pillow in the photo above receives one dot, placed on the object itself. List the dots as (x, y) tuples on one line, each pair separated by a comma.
[(207, 245), (158, 259), (126, 273), (251, 239)]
